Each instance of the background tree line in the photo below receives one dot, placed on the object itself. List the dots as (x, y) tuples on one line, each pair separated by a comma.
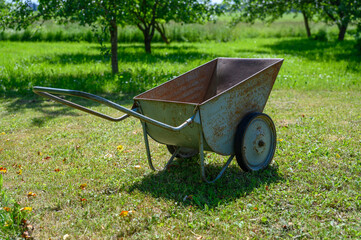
[(341, 13), (150, 16)]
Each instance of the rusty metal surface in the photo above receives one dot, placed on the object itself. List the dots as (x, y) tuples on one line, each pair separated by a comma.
[(224, 90), (171, 113), (232, 71), (190, 87), (221, 114), (207, 81)]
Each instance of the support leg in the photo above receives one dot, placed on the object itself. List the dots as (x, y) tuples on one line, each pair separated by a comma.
[(172, 158), (149, 157), (201, 156), (145, 135)]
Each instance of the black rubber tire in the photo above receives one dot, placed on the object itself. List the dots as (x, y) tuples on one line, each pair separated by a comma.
[(240, 147), (183, 153)]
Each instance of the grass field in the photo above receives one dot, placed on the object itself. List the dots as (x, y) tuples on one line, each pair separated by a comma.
[(220, 30), (309, 64), (90, 177)]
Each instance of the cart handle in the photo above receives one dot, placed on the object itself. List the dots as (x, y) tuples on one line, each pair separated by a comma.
[(48, 93)]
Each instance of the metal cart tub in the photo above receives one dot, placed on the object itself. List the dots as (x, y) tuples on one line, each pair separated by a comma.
[(215, 107)]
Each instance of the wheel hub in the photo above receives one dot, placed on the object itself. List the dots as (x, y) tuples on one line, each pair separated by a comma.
[(259, 144)]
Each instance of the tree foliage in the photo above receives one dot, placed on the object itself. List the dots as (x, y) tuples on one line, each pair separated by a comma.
[(104, 13), (338, 12), (271, 10), (4, 9), (107, 14), (16, 14)]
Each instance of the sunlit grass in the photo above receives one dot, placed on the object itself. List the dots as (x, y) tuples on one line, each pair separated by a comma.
[(83, 182), (90, 177), (219, 29), (308, 64)]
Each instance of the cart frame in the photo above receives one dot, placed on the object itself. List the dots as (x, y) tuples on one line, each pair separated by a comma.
[(255, 89), (49, 93)]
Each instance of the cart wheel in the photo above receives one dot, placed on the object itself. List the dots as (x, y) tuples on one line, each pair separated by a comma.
[(184, 152), (255, 142)]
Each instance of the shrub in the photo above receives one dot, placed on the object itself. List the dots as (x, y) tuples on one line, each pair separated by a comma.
[(50, 36), (59, 36), (26, 36), (321, 35)]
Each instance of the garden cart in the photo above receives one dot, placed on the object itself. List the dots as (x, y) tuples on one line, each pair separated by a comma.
[(215, 107)]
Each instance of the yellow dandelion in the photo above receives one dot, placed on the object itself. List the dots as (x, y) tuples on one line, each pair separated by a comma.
[(280, 140), (26, 209), (124, 213), (120, 148), (338, 155), (3, 133)]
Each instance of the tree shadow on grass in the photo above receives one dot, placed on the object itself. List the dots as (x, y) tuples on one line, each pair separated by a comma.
[(131, 53), (51, 110), (124, 56), (317, 50), (155, 46), (182, 183)]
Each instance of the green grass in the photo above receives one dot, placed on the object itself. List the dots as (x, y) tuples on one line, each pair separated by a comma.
[(309, 64), (13, 223), (218, 30), (311, 190)]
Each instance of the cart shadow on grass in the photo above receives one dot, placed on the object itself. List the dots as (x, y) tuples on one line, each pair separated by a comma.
[(181, 183)]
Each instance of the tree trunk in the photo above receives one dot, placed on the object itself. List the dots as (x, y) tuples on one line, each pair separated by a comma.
[(148, 36), (147, 44), (114, 45), (342, 31), (305, 19), (161, 29)]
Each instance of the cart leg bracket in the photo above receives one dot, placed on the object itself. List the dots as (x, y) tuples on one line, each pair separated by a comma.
[(149, 157), (201, 156)]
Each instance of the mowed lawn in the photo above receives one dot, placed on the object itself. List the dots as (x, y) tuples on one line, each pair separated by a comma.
[(91, 177)]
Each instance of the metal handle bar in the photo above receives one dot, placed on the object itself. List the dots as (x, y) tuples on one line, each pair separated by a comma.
[(47, 92)]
